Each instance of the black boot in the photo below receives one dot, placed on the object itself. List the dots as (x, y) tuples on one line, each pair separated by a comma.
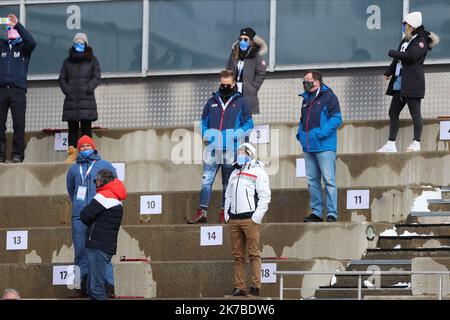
[(110, 290)]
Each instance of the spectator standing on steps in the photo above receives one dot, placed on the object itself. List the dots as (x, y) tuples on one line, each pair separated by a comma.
[(81, 188), (247, 63), (79, 76), (317, 132), (247, 200), (15, 55), (407, 79)]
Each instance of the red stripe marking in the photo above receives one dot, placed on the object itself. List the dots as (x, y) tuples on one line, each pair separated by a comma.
[(248, 174)]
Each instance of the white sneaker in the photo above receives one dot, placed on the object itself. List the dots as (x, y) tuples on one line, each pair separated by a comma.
[(413, 147), (388, 147)]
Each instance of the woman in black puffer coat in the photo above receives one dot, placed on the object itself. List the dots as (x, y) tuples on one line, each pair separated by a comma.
[(79, 76), (407, 78)]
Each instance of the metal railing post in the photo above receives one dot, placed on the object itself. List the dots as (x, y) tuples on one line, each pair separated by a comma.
[(359, 287), (281, 287), (440, 286)]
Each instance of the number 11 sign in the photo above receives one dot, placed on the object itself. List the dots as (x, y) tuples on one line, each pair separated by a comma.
[(358, 199)]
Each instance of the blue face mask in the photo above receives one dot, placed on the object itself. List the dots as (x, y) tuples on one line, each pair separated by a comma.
[(86, 153), (15, 41), (404, 28), (79, 47), (242, 159), (244, 45)]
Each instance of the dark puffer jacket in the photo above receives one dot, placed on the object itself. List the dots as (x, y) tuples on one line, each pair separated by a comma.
[(79, 76), (412, 73), (254, 71)]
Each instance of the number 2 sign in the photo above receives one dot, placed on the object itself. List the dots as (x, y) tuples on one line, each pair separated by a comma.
[(61, 141)]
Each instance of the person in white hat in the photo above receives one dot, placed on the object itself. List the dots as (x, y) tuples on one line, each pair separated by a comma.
[(407, 78), (247, 200)]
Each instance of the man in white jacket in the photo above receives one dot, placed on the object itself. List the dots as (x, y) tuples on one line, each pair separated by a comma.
[(247, 199)]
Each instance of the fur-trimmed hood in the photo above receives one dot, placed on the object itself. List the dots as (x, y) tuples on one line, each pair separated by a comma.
[(259, 44), (79, 56), (431, 37)]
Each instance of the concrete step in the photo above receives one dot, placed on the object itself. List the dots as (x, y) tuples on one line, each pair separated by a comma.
[(158, 144), (406, 253), (439, 205), (352, 292), (381, 265), (182, 242), (414, 242), (384, 281), (180, 279), (423, 229), (445, 193), (362, 170), (429, 217), (387, 204)]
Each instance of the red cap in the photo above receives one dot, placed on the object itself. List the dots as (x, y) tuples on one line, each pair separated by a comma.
[(86, 139)]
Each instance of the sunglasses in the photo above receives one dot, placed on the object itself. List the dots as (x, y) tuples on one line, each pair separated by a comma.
[(79, 42), (245, 39), (229, 86)]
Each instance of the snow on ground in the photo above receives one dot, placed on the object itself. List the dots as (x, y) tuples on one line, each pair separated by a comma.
[(389, 232), (421, 204)]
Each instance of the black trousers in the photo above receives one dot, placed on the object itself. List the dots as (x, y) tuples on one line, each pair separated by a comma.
[(16, 100), (74, 129), (397, 105)]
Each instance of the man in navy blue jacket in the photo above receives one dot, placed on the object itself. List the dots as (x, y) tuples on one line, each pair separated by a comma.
[(226, 122), (15, 54), (317, 132)]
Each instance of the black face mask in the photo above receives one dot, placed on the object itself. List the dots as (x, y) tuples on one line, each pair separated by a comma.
[(226, 90), (308, 85)]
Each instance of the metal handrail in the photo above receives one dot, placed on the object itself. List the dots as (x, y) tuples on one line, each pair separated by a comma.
[(441, 274)]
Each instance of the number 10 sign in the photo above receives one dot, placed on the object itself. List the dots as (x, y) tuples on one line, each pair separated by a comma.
[(151, 204)]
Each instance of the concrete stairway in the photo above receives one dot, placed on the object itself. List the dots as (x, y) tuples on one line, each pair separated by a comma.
[(170, 261), (426, 242)]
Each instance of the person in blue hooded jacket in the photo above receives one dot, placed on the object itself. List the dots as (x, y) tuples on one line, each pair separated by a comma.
[(81, 188), (226, 123), (317, 132)]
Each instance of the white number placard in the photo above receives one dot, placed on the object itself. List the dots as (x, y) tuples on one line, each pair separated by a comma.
[(63, 275), (17, 240), (260, 134), (444, 132), (300, 171), (358, 199), (267, 273), (61, 141), (151, 204), (120, 169), (211, 236)]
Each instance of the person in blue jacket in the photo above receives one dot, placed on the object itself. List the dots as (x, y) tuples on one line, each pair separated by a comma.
[(226, 124), (317, 132), (81, 188)]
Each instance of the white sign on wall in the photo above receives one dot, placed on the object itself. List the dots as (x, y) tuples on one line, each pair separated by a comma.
[(260, 134), (120, 170), (151, 204), (63, 275), (444, 131), (17, 240), (267, 273), (300, 170), (358, 199), (61, 141), (211, 236)]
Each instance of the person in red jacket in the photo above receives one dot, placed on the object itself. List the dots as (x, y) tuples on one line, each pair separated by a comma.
[(102, 217)]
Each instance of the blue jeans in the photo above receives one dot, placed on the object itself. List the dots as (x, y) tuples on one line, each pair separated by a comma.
[(209, 174), (98, 260), (318, 165), (81, 259)]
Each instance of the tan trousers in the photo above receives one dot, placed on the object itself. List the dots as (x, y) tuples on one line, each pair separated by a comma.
[(245, 233)]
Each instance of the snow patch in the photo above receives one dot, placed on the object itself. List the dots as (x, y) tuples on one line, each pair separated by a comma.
[(402, 284), (421, 204), (398, 247), (368, 284), (333, 280), (409, 234), (389, 232)]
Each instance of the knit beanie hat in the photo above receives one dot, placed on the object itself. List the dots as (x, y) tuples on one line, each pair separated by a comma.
[(414, 19), (81, 36), (86, 139), (249, 32), (249, 149)]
